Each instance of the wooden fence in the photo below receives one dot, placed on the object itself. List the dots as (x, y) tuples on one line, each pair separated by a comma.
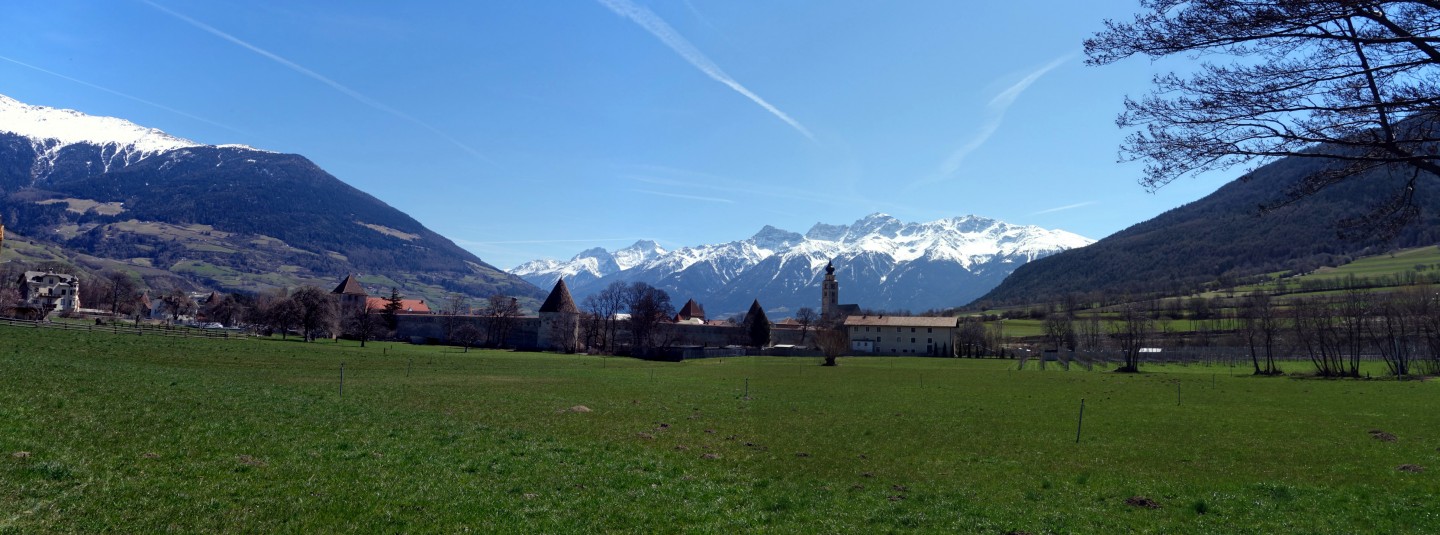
[(134, 329)]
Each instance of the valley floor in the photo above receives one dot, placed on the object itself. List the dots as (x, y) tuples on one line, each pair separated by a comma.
[(102, 432)]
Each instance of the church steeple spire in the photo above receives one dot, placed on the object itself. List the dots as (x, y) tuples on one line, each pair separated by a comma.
[(829, 294)]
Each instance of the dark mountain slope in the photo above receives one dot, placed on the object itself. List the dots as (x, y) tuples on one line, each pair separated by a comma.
[(1224, 236), (234, 217)]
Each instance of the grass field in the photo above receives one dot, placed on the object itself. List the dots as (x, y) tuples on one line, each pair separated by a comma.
[(106, 432)]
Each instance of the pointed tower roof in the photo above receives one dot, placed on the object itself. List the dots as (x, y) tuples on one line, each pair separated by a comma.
[(559, 300), (691, 310), (349, 286)]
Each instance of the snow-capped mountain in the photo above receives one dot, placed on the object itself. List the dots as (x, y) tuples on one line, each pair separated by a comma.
[(881, 263), (588, 266), (226, 217)]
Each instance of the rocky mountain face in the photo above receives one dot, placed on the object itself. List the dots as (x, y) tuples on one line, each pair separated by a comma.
[(227, 217), (881, 262)]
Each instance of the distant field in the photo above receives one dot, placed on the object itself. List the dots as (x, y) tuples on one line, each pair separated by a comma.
[(1426, 258), (142, 434)]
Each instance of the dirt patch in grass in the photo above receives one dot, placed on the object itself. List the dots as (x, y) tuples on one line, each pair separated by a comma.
[(1411, 468), (251, 461), (1382, 436), (1142, 501), (21, 455)]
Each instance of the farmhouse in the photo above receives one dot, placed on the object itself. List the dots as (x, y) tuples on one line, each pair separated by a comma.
[(900, 335), (49, 291)]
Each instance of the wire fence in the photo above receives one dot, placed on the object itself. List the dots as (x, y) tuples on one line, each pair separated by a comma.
[(138, 329)]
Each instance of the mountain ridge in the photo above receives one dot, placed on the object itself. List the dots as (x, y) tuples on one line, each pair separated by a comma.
[(225, 216), (882, 262)]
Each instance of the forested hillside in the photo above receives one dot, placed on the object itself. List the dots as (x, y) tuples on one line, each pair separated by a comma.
[(1224, 236)]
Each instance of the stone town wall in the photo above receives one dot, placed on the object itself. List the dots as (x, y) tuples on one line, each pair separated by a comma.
[(524, 332), (430, 329)]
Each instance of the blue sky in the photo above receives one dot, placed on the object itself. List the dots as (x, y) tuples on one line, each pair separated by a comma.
[(524, 130)]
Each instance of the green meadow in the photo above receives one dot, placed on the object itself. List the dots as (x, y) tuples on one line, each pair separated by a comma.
[(124, 433)]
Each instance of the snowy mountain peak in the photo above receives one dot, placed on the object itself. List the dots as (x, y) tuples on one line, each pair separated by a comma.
[(57, 128), (822, 231), (773, 238), (593, 252), (638, 253), (874, 224)]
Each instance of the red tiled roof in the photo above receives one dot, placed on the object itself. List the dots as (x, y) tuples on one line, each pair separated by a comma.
[(407, 306), (691, 310)]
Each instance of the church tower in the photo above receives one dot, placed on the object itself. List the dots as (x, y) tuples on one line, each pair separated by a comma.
[(829, 295)]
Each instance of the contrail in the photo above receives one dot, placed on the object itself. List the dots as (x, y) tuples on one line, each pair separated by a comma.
[(119, 94), (666, 34), (320, 78), (684, 196), (506, 242), (1063, 208), (995, 113)]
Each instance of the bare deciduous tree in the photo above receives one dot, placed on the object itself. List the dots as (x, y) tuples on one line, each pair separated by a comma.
[(648, 306), (605, 305), (467, 334), (805, 317), (1260, 327), (1059, 330), (363, 323), (833, 344), (500, 313), (1090, 334), (1357, 77), (177, 303), (319, 311), (9, 298), (224, 309), (120, 292), (1132, 330)]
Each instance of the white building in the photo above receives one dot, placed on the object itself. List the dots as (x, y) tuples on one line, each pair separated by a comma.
[(901, 335), (50, 291)]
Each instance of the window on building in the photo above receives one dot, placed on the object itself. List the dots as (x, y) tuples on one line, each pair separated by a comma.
[(929, 340), (912, 340), (929, 330), (912, 329)]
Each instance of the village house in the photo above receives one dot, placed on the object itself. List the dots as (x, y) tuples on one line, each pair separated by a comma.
[(49, 291)]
